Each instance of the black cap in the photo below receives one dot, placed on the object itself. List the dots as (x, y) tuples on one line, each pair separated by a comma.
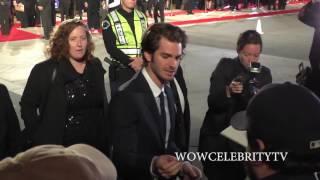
[(285, 117)]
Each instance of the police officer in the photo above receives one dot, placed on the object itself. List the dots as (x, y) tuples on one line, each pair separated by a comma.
[(122, 34)]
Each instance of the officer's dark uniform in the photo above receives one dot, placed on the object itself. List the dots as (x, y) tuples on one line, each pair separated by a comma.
[(5, 16)]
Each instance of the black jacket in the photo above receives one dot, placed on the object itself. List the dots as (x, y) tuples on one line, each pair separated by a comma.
[(9, 124), (221, 108), (44, 106), (137, 134)]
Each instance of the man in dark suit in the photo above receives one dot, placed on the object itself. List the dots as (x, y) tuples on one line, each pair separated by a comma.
[(143, 112)]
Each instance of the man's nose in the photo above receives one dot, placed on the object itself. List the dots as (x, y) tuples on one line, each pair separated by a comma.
[(174, 63)]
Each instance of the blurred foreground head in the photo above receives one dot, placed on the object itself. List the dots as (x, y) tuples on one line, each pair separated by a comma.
[(54, 162)]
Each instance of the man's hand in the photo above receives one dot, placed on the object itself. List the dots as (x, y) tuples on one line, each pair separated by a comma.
[(40, 8), (190, 172), (86, 4), (236, 87), (136, 63), (167, 166)]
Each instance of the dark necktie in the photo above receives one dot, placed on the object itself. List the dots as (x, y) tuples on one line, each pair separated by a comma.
[(163, 113)]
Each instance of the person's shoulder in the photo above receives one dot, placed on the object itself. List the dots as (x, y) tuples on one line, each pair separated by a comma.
[(112, 13), (227, 61), (130, 86), (96, 60), (96, 64), (45, 65), (3, 89), (265, 69)]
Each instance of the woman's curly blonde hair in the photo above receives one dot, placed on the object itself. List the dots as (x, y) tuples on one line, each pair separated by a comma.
[(59, 46)]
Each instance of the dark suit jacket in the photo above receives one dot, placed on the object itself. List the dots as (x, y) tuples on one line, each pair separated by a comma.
[(9, 124), (182, 132), (136, 130)]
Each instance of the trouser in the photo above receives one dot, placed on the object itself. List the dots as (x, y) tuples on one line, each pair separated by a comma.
[(282, 4), (64, 9), (46, 21), (5, 20), (272, 3), (150, 4), (234, 4), (93, 14), (158, 7), (218, 4)]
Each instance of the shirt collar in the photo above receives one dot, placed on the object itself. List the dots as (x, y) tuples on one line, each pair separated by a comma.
[(154, 88)]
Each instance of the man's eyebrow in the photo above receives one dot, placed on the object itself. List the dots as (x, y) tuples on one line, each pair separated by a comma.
[(171, 55)]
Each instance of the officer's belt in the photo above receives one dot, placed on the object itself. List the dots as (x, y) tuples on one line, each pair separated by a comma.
[(131, 51)]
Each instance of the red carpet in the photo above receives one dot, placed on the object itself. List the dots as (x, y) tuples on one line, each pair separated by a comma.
[(18, 35), (205, 20)]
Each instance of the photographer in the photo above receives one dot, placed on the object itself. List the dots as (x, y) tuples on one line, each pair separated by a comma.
[(233, 83)]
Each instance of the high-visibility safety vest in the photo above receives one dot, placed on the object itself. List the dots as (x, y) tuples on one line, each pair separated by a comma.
[(127, 41)]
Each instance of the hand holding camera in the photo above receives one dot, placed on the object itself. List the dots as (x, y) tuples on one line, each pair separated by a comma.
[(236, 87), (245, 82)]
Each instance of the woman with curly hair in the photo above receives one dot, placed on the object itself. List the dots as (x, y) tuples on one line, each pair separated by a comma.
[(64, 101)]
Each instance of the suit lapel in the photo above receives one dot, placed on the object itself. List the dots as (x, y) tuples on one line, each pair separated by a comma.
[(151, 104)]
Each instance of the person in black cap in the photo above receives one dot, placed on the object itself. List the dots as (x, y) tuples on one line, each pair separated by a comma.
[(232, 84), (283, 118)]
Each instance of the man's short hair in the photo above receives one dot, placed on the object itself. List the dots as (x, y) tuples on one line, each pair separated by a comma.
[(151, 39), (286, 117), (53, 162), (248, 37)]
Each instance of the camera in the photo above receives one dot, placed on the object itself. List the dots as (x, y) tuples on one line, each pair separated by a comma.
[(255, 69)]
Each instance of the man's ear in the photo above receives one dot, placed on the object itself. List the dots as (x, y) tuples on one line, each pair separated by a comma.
[(148, 56)]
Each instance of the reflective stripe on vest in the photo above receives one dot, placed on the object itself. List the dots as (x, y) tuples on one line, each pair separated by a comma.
[(132, 51), (125, 38)]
